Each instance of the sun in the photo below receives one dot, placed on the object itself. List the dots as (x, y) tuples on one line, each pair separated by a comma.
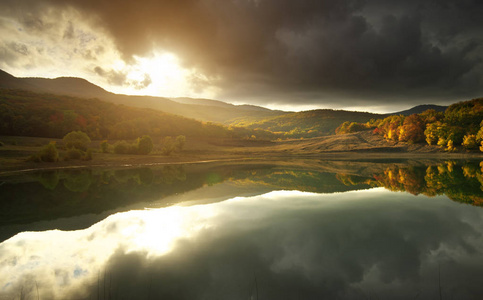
[(161, 74)]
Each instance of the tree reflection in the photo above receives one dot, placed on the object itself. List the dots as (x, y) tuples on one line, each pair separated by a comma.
[(461, 182)]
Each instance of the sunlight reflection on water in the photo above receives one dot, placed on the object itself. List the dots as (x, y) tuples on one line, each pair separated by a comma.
[(327, 238)]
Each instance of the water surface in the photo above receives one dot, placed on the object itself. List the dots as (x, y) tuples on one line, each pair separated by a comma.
[(310, 230)]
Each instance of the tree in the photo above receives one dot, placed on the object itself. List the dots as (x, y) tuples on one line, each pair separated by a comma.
[(168, 146), (469, 141), (77, 139), (48, 153), (180, 141), (145, 145), (104, 147), (412, 130)]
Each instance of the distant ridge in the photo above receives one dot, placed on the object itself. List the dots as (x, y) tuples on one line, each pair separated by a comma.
[(294, 124), (200, 109), (420, 108)]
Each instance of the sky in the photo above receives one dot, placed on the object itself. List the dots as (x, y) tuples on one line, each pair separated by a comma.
[(370, 55)]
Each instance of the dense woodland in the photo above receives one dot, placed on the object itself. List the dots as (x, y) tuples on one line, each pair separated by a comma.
[(25, 113), (461, 125)]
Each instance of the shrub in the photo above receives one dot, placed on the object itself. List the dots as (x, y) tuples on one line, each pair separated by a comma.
[(145, 145), (77, 139), (168, 146), (73, 153), (48, 153), (124, 147), (121, 147), (104, 147), (180, 141), (88, 155)]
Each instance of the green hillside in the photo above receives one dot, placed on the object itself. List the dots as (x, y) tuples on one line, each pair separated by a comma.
[(306, 123), (25, 113)]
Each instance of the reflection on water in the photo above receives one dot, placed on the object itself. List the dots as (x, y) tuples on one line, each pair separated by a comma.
[(263, 236), (460, 182)]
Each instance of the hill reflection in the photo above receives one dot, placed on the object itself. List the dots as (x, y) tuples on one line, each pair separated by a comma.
[(75, 199)]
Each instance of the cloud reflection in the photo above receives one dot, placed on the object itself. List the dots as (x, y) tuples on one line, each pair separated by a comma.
[(280, 245)]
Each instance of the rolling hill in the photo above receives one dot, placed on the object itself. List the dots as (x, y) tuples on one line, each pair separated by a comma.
[(305, 124), (200, 109)]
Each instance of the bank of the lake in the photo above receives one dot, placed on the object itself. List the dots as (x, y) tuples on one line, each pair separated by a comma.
[(15, 152)]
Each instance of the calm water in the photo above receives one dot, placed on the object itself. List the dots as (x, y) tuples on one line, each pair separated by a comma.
[(307, 230)]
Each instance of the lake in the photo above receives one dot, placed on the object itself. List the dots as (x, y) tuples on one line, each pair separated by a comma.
[(301, 229)]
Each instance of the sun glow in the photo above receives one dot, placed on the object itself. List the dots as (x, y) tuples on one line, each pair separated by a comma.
[(161, 74)]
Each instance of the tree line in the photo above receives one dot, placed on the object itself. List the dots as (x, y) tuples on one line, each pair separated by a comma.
[(461, 125)]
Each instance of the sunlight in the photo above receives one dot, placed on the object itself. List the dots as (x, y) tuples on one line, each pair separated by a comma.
[(163, 69), (162, 75)]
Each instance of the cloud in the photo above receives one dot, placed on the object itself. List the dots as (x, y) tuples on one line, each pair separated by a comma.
[(120, 78), (113, 77), (277, 245), (346, 53)]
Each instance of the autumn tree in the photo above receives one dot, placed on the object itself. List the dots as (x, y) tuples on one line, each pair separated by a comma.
[(412, 129), (469, 142)]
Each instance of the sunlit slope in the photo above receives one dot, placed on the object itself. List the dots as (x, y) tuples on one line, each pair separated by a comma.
[(200, 109), (307, 123)]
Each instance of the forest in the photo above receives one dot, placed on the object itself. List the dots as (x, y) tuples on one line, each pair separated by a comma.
[(26, 113), (460, 127)]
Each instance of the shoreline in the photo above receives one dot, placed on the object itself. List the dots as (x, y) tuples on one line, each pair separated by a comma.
[(360, 146), (134, 161)]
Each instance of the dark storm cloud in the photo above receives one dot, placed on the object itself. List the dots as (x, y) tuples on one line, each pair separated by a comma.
[(307, 51)]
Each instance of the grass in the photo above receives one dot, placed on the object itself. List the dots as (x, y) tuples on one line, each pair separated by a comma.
[(361, 145)]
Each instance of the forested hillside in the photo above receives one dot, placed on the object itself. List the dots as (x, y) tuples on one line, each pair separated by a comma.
[(459, 126), (199, 109), (307, 123), (25, 113)]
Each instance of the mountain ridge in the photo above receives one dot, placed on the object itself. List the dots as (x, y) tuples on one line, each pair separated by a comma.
[(295, 124)]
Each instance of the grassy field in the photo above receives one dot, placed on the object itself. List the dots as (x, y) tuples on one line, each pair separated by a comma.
[(15, 151)]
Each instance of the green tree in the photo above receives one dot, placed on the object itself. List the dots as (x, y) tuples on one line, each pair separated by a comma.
[(168, 146), (145, 145), (49, 153), (77, 139), (121, 147), (104, 147), (180, 142)]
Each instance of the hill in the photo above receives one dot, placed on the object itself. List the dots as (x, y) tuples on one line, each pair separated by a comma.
[(306, 124), (200, 109), (26, 113), (420, 109)]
